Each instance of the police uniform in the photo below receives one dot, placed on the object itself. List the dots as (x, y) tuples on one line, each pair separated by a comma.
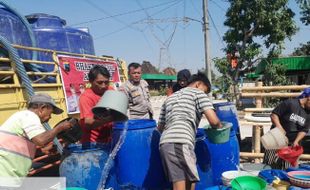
[(139, 100)]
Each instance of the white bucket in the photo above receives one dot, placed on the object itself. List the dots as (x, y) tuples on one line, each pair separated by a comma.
[(274, 139), (228, 176)]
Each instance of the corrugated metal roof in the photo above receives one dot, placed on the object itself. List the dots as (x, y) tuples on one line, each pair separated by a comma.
[(300, 63), (158, 77)]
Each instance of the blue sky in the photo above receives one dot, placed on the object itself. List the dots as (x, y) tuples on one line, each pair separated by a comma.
[(151, 30)]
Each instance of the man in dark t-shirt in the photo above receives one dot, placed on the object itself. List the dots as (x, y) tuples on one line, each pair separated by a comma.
[(293, 118)]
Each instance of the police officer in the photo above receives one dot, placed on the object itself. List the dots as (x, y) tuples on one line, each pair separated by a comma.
[(138, 94)]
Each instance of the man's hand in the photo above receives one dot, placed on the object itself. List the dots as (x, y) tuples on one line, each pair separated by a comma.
[(49, 149), (65, 125), (295, 144)]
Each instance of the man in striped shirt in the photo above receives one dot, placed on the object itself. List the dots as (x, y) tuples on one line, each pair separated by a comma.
[(178, 121)]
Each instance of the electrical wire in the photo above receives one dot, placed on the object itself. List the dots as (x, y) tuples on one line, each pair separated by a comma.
[(136, 22), (217, 31), (110, 15), (122, 14), (197, 10), (215, 3)]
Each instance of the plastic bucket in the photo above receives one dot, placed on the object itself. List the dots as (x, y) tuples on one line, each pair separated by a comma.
[(274, 139), (115, 102), (248, 183), (222, 157), (83, 166), (228, 176), (221, 135), (138, 163), (72, 135), (227, 111)]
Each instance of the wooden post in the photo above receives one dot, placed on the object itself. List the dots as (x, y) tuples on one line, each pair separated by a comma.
[(257, 129)]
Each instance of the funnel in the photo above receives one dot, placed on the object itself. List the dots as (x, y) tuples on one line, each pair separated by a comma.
[(114, 103), (291, 154)]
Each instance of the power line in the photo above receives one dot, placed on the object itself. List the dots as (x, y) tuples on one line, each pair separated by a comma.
[(218, 5), (198, 11), (136, 22), (121, 14), (108, 14), (217, 31)]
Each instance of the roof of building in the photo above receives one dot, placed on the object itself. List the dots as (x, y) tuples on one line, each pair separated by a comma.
[(298, 63), (158, 77)]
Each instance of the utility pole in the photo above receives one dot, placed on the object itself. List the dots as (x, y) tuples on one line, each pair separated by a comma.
[(205, 26)]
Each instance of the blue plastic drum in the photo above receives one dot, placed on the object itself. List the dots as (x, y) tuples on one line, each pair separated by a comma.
[(84, 164), (226, 111), (138, 163), (203, 161), (223, 157)]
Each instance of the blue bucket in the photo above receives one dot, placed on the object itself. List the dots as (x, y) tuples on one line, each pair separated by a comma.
[(223, 157), (83, 165), (226, 111), (138, 163)]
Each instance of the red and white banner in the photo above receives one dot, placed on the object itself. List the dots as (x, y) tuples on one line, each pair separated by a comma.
[(74, 76)]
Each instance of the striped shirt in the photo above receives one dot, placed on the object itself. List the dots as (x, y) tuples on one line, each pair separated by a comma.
[(180, 115)]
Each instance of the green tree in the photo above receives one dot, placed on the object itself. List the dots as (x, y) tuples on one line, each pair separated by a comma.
[(253, 24), (305, 11), (224, 81), (304, 6), (304, 49)]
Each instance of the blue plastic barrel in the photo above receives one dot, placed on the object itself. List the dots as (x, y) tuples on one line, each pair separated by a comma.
[(226, 111), (203, 161), (13, 29), (51, 33), (138, 164), (224, 157), (83, 166)]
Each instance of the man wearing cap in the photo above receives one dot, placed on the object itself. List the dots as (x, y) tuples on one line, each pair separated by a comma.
[(292, 116), (23, 131)]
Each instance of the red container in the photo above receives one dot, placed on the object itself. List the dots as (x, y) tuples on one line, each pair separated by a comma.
[(291, 154)]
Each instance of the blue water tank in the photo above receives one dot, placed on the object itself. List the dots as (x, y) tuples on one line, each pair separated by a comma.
[(14, 30), (83, 166), (226, 111), (224, 157), (138, 164), (51, 33)]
